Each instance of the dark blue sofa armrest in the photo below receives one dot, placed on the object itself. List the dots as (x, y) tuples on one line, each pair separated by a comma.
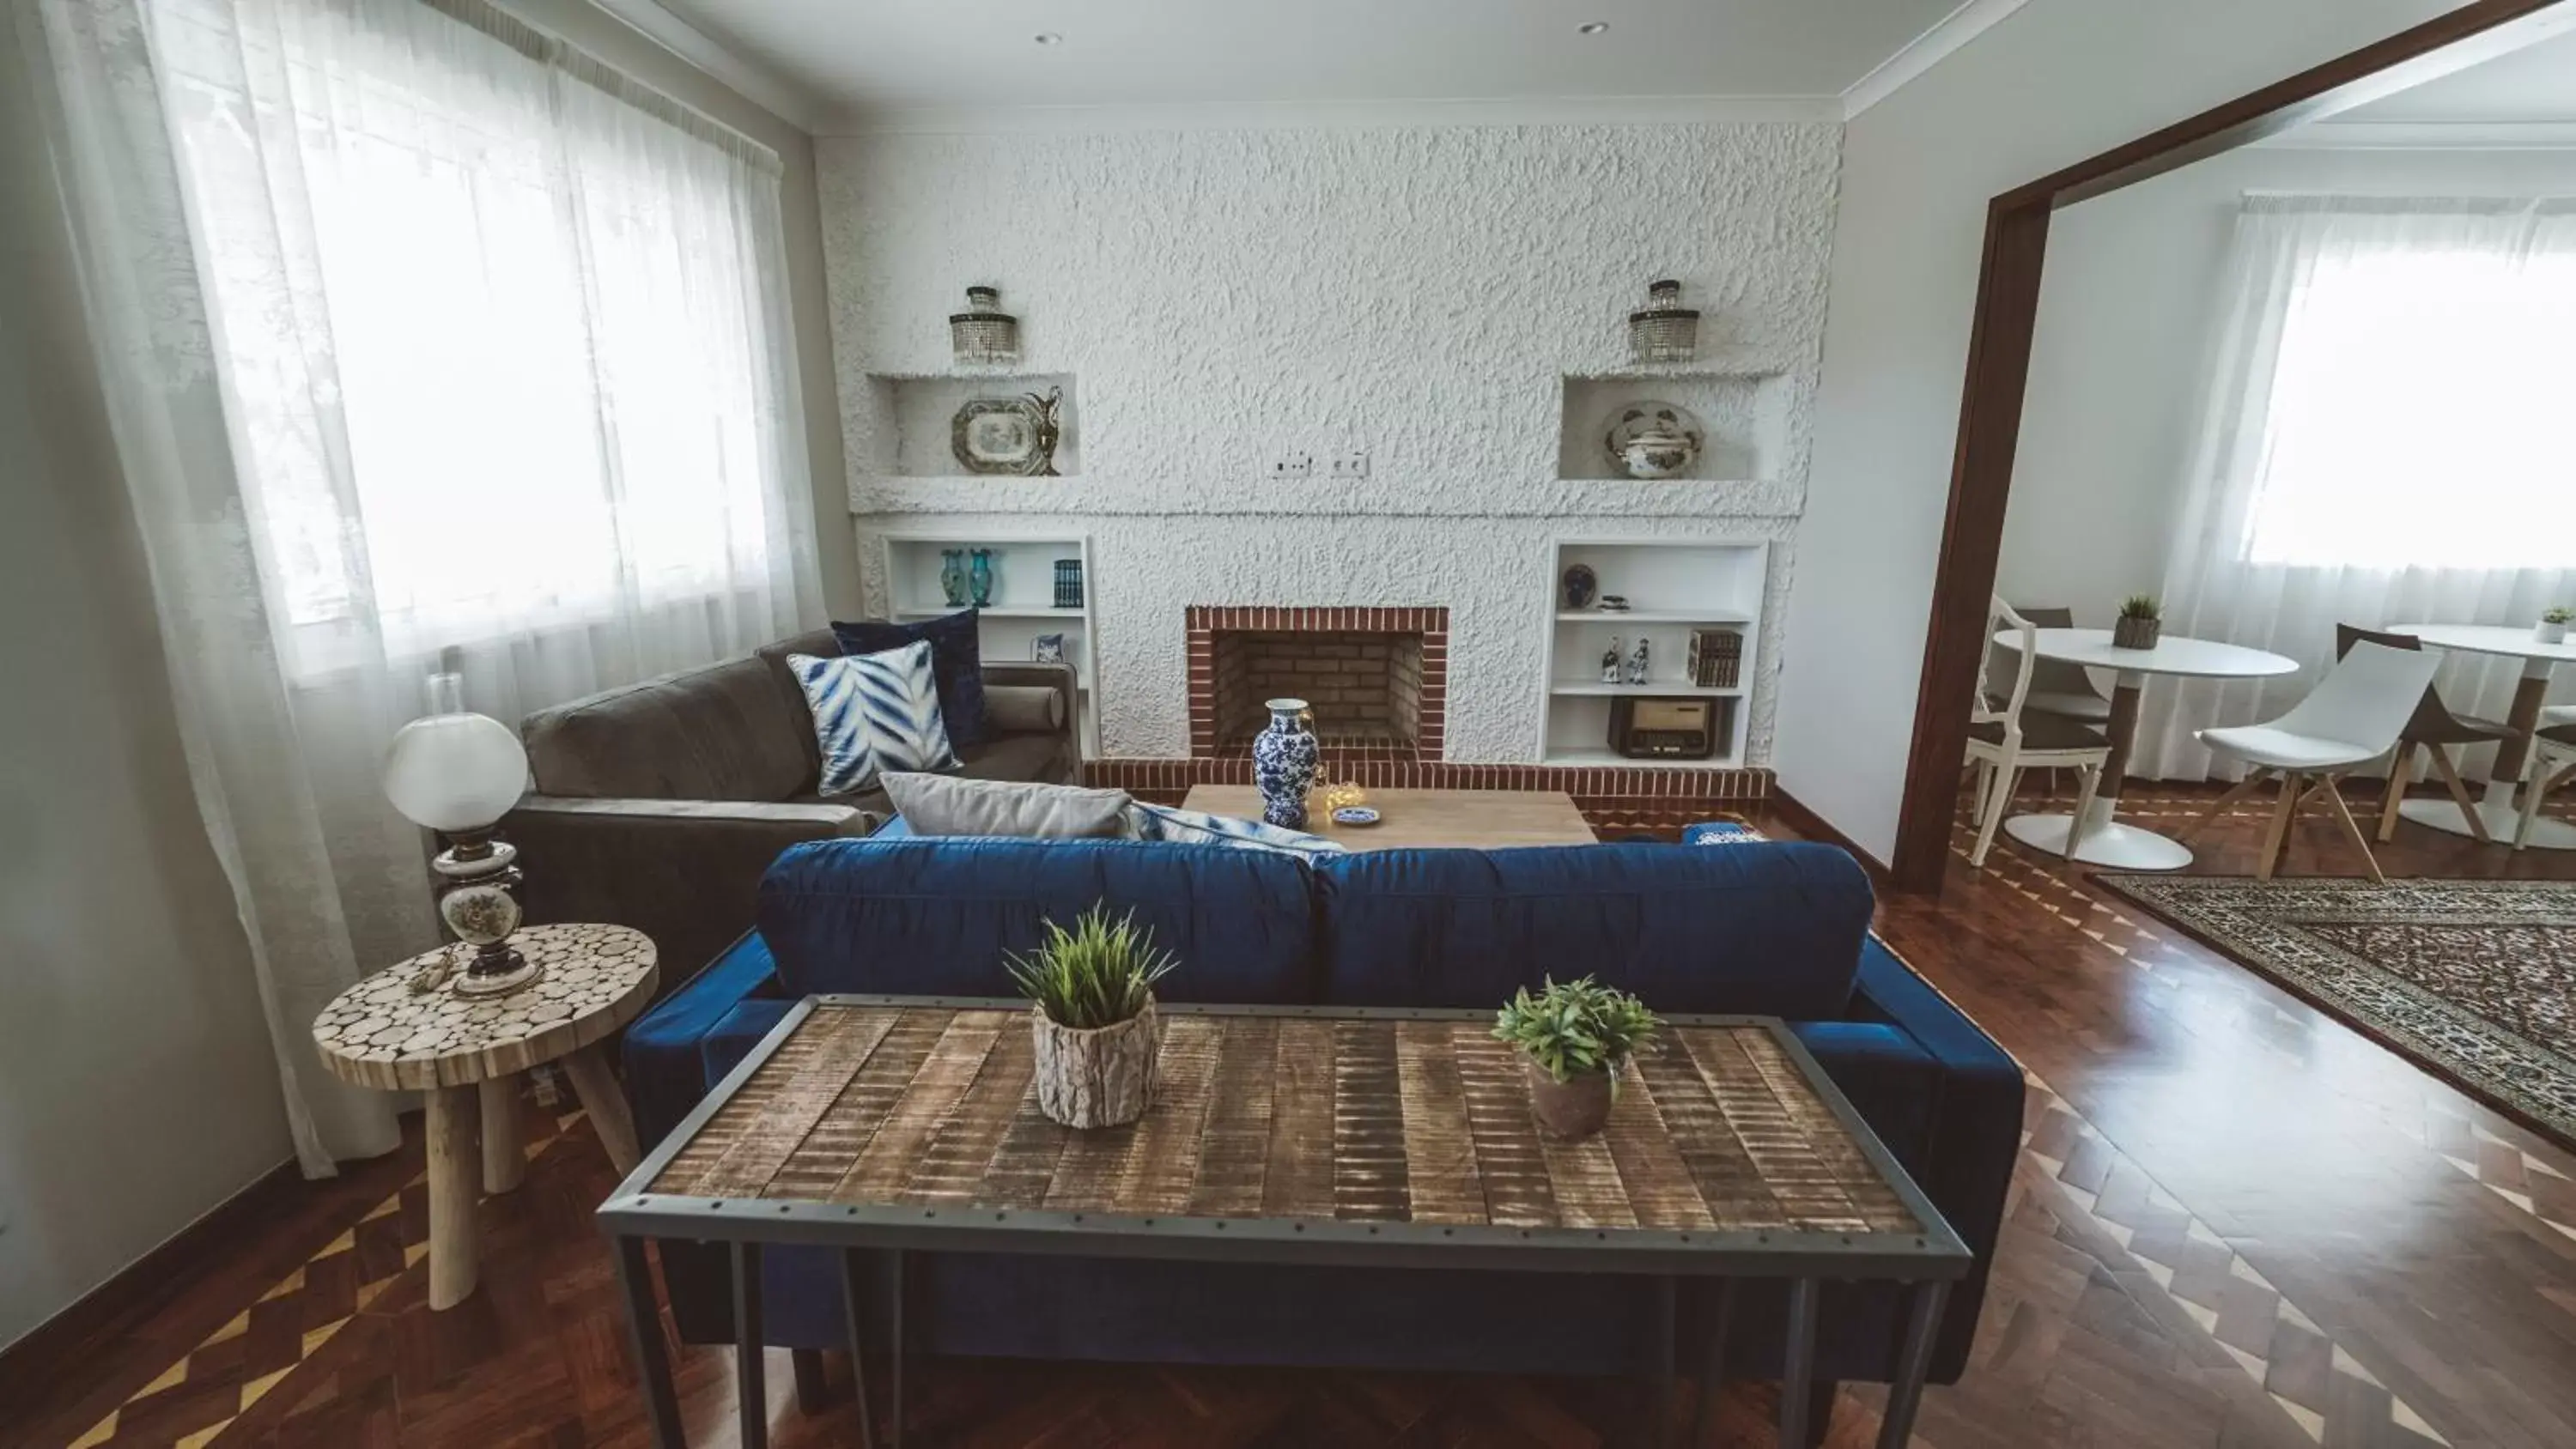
[(664, 1073), (723, 1048), (1953, 1109)]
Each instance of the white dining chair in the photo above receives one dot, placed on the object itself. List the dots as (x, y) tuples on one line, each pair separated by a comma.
[(2553, 763), (2351, 718), (2003, 741)]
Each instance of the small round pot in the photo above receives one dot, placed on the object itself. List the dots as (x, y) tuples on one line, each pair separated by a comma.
[(1576, 1107), (2129, 633), (1103, 1077), (2549, 633)]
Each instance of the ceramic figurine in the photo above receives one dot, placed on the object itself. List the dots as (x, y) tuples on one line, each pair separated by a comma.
[(979, 576), (1637, 664), (1283, 763), (1610, 662)]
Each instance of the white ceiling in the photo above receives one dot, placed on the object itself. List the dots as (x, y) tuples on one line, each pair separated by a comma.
[(897, 55), (2536, 84)]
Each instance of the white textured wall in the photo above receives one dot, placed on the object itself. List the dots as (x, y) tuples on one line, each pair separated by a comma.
[(2126, 314), (1222, 296), (2055, 82)]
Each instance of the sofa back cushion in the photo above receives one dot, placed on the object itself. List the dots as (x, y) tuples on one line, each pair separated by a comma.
[(934, 916), (1771, 929), (726, 732)]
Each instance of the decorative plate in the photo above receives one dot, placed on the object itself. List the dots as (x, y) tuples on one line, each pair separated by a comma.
[(1653, 439), (1582, 586), (1355, 815), (996, 435)]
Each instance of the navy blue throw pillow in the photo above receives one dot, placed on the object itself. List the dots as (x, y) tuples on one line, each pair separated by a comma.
[(956, 657)]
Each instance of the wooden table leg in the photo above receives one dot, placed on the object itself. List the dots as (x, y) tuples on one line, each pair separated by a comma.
[(2522, 719), (452, 1177), (505, 1158), (601, 1097)]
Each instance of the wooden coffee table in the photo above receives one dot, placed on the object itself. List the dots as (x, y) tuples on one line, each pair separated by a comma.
[(893, 1124), (1469, 819)]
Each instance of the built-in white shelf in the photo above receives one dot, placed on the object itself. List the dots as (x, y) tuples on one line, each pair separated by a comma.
[(1652, 616), (911, 436), (1653, 689), (1023, 603), (1674, 586)]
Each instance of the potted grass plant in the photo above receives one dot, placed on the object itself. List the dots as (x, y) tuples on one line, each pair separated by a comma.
[(1091, 1013), (1576, 1038), (2552, 628), (2140, 623)]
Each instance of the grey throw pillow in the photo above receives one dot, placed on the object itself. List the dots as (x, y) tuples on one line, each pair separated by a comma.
[(952, 805)]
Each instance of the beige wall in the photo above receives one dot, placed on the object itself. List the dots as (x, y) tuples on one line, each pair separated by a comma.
[(137, 1084), (619, 44)]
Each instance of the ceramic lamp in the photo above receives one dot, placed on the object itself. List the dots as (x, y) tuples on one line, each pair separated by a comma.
[(458, 773)]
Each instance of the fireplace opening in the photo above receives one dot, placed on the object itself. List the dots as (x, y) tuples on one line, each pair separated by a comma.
[(1376, 680), (1363, 688)]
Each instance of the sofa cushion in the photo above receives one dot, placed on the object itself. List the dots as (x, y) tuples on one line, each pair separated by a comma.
[(935, 916), (727, 732), (1774, 929), (874, 712), (957, 655), (1014, 809)]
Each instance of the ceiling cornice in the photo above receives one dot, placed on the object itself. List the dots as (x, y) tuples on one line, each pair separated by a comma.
[(758, 83), (1334, 115), (2427, 136), (1925, 51)]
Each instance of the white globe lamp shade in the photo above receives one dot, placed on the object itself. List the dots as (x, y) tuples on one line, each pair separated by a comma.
[(453, 771)]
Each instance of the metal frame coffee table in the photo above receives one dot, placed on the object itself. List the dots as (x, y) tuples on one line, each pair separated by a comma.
[(1729, 1139)]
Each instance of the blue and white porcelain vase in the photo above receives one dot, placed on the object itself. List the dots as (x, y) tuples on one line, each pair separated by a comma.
[(1283, 763)]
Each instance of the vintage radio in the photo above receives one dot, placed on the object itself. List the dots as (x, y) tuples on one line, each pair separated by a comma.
[(1648, 727)]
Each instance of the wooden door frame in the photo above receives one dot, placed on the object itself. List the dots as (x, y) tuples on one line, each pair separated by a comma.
[(1999, 350)]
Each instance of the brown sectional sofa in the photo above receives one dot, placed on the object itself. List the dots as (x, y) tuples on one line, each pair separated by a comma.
[(660, 804)]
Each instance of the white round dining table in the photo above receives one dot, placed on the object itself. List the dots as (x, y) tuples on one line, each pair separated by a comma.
[(2498, 811), (2101, 838)]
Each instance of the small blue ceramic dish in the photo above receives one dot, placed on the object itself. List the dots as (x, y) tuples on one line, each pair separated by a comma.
[(1355, 815)]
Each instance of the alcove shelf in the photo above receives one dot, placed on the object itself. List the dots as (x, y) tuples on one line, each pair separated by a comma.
[(915, 412), (1023, 606), (1673, 587), (1743, 417)]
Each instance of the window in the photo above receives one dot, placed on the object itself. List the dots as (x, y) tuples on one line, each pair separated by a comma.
[(2423, 405), (498, 337)]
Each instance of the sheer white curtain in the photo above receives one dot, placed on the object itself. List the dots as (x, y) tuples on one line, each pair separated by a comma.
[(2387, 437), (423, 333)]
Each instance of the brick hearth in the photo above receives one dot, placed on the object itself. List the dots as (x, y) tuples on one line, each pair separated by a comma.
[(1377, 679)]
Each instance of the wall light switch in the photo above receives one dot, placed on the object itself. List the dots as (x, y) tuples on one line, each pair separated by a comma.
[(1353, 463), (1292, 467)]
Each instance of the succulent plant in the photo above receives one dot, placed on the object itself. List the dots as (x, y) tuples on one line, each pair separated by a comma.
[(1100, 973), (1576, 1027)]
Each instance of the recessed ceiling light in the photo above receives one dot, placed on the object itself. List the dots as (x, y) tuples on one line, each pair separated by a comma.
[(1047, 37), (1592, 27)]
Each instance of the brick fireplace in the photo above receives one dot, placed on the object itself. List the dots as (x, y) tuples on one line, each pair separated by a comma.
[(1376, 679)]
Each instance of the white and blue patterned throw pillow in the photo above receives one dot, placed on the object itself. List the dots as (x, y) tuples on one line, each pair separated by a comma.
[(1195, 827), (874, 712)]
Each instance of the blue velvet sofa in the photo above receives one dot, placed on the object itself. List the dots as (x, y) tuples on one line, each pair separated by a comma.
[(1777, 929)]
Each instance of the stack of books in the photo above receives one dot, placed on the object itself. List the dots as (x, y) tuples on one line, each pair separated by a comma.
[(1716, 658)]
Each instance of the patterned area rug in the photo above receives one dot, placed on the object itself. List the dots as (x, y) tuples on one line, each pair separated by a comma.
[(2473, 980)]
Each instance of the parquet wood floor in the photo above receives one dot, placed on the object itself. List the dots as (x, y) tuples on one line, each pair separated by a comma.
[(2236, 1224)]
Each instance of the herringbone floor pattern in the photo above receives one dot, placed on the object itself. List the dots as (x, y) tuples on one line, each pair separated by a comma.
[(2235, 1224)]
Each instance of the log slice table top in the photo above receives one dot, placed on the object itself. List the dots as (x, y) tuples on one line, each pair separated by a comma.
[(1289, 1133), (381, 1033)]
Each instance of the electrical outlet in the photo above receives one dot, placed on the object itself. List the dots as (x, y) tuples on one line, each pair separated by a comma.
[(1292, 467), (1351, 463)]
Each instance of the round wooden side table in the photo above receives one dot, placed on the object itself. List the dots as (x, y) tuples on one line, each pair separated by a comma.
[(386, 1033)]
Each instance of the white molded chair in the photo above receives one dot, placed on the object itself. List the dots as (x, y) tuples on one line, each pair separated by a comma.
[(2553, 763), (2002, 742), (2351, 718)]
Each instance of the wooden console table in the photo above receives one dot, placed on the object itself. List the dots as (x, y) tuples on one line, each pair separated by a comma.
[(902, 1124)]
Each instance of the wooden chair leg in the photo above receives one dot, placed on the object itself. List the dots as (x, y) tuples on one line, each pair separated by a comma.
[(2533, 794), (2401, 771), (1997, 802), (2238, 791), (2090, 784), (2459, 795), (2277, 838), (813, 1389), (2352, 828)]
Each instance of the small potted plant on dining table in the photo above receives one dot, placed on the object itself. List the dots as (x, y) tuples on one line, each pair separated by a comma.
[(2140, 623), (1576, 1037), (1091, 1015), (2552, 628)]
